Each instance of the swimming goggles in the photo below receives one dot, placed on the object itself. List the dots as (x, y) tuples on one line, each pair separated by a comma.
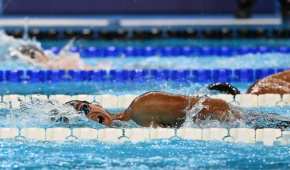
[(85, 108)]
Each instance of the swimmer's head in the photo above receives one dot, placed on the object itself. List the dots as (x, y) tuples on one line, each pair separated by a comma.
[(224, 88), (32, 54), (92, 111)]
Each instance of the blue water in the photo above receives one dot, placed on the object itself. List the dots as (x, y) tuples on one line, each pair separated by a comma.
[(254, 61), (161, 154), (267, 60), (117, 88), (156, 154), (170, 42)]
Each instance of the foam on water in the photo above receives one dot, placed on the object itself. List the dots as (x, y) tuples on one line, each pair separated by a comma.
[(48, 113), (9, 46), (38, 114), (192, 112)]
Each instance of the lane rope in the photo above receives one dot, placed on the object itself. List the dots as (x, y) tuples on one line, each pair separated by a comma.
[(123, 101), (267, 136), (187, 75)]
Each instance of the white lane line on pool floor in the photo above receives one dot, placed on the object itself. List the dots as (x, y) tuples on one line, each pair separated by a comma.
[(267, 136)]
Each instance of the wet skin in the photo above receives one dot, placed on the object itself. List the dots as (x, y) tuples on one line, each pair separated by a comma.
[(278, 83), (159, 109), (33, 54), (92, 111), (36, 56)]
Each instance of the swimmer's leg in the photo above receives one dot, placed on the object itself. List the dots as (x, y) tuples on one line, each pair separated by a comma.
[(224, 88)]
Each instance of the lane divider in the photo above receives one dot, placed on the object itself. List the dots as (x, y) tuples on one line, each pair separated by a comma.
[(172, 51), (151, 31), (187, 75), (266, 136), (123, 101)]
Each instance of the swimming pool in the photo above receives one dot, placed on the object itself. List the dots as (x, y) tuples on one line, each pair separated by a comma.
[(172, 153), (159, 154)]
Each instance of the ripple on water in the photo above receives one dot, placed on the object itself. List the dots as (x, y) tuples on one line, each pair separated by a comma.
[(158, 154)]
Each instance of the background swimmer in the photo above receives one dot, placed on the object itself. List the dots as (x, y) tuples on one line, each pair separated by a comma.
[(160, 109), (64, 60), (30, 51), (8, 42)]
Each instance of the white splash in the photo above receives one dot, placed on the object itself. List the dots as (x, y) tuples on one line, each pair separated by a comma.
[(39, 113), (7, 42), (192, 112)]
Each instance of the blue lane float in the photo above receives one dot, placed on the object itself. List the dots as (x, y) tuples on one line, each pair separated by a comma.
[(200, 76), (174, 51)]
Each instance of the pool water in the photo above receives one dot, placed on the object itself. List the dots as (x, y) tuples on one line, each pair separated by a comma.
[(173, 153), (254, 61), (116, 88), (157, 154), (169, 42)]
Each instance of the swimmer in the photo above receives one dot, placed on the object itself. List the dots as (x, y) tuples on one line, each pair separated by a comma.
[(160, 109), (65, 60), (278, 83)]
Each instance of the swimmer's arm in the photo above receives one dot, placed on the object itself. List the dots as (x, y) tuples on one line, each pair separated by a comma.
[(68, 63), (217, 109), (72, 62), (122, 116)]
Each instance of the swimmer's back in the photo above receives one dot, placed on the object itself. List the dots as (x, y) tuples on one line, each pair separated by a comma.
[(275, 84), (159, 108)]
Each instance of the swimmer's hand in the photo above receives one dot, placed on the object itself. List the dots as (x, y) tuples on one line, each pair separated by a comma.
[(224, 88)]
